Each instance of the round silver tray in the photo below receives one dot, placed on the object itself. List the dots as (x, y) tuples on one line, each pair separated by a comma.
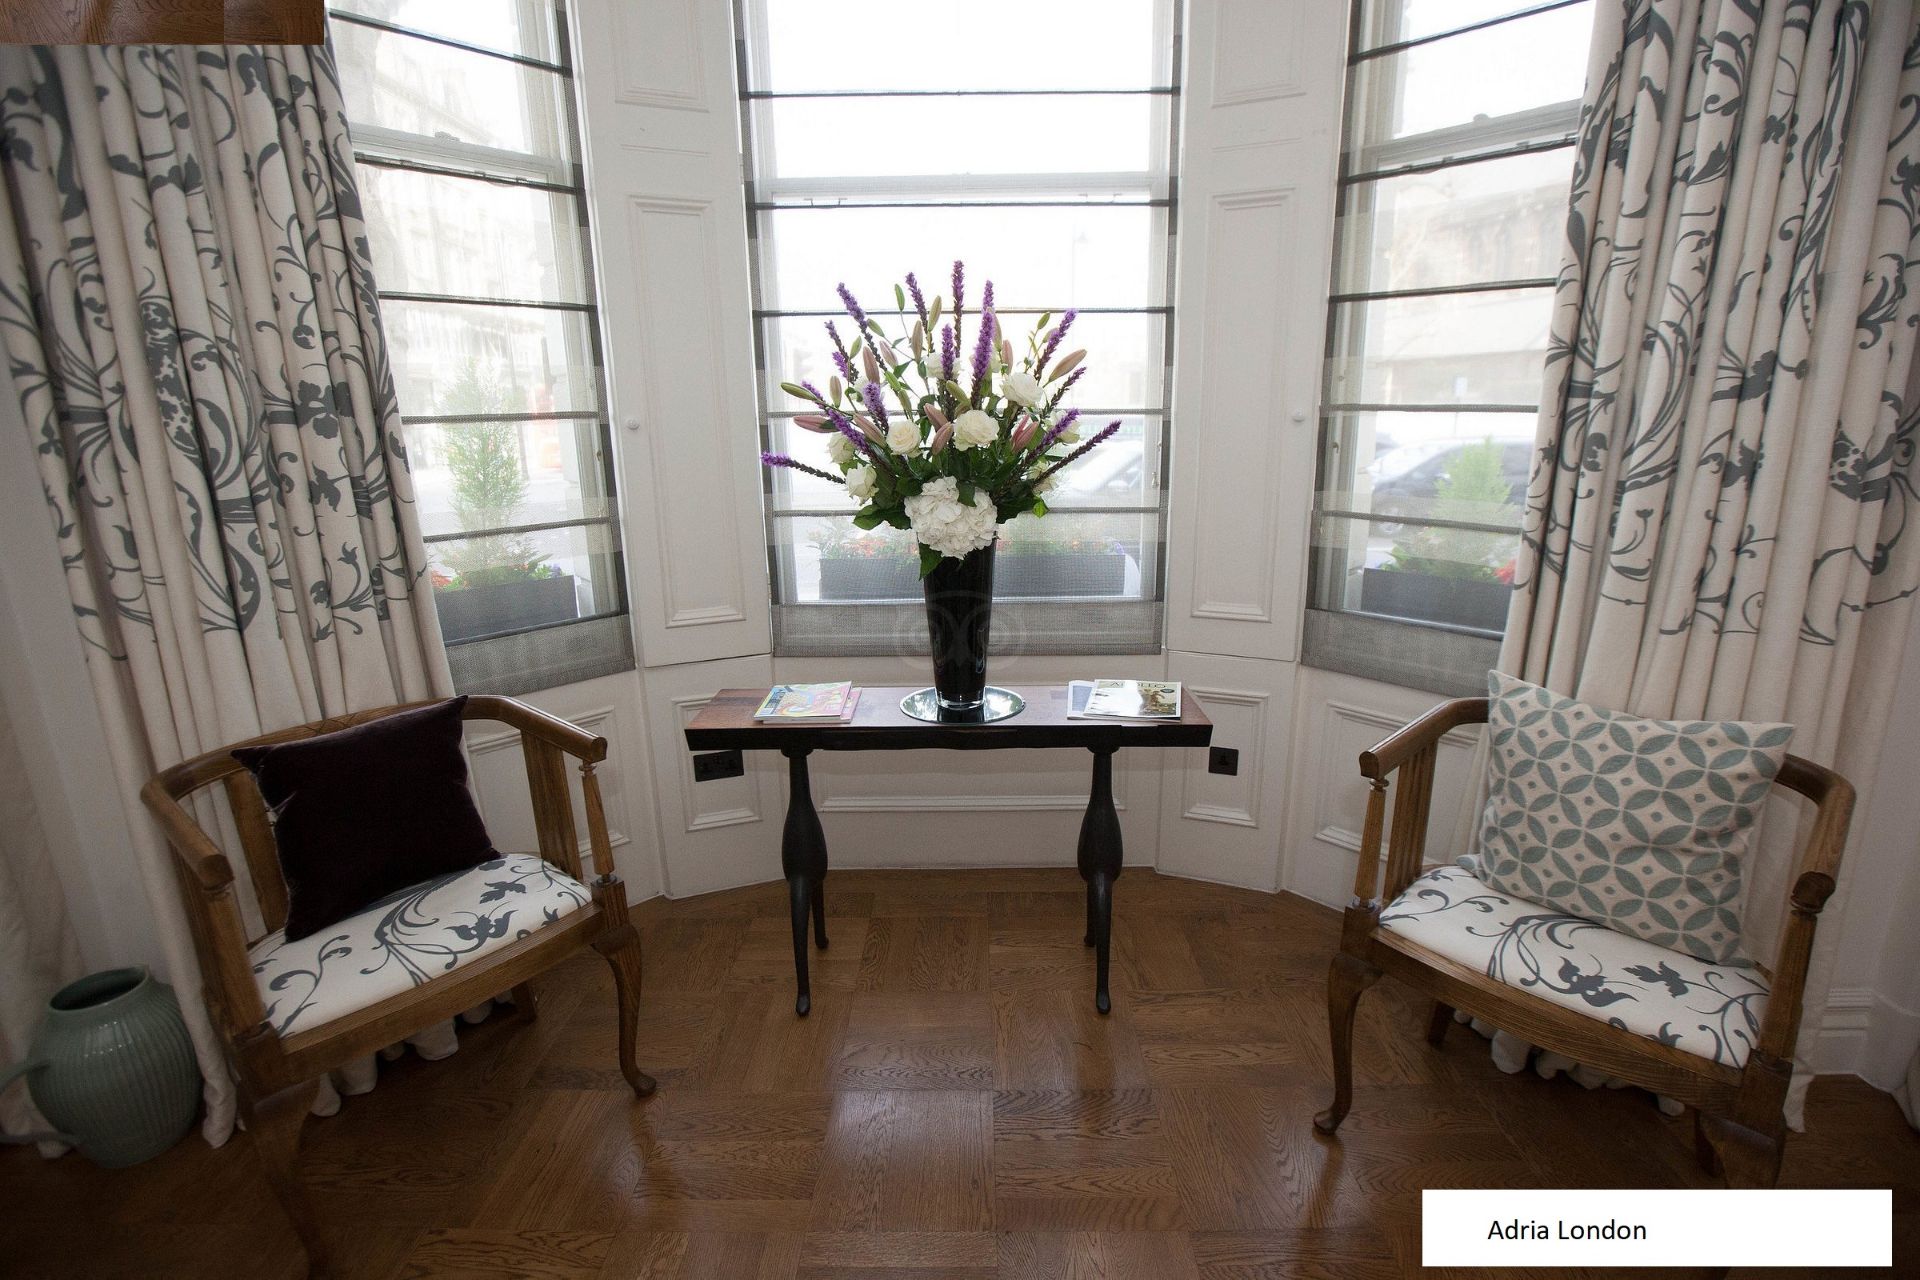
[(996, 704)]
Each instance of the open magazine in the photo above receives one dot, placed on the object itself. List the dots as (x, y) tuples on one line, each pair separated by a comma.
[(809, 702), (1123, 700)]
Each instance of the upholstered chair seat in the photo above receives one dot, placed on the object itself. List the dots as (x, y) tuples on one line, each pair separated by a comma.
[(408, 938), (1712, 1010)]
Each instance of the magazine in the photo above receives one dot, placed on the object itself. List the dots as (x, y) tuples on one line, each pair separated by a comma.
[(809, 702), (1123, 700)]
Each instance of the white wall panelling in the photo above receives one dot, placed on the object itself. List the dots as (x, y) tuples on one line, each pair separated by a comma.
[(1258, 159), (1220, 827), (661, 128)]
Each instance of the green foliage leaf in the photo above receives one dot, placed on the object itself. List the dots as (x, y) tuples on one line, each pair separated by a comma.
[(929, 560)]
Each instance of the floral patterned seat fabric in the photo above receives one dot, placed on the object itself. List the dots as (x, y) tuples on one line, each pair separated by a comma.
[(408, 938), (1712, 1010)]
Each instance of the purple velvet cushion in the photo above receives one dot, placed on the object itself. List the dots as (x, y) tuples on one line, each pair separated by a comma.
[(367, 811)]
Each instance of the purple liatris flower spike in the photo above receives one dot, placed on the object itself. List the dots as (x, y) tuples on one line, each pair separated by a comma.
[(852, 306), (782, 460), (949, 352), (1053, 342), (1058, 429), (983, 342), (840, 359), (959, 287), (919, 303), (1106, 433), (870, 391)]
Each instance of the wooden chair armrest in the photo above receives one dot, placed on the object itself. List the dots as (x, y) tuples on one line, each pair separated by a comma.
[(1815, 874), (197, 855), (535, 723), (211, 904), (1394, 750), (1413, 750)]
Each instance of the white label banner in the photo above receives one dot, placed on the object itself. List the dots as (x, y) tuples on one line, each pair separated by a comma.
[(1640, 1228)]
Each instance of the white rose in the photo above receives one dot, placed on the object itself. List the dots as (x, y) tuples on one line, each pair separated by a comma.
[(1069, 436), (903, 437), (1021, 388), (1046, 486), (975, 429), (840, 449), (951, 527), (860, 483)]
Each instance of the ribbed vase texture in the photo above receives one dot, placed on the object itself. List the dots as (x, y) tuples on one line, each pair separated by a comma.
[(116, 1068)]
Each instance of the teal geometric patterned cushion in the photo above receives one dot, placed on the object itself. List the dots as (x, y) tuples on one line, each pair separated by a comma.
[(1639, 825)]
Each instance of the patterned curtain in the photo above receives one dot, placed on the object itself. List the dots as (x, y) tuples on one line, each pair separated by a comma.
[(189, 317), (1717, 523)]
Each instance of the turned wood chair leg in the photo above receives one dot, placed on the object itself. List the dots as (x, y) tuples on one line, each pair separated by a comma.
[(274, 1123), (621, 947), (1703, 1153), (1438, 1021), (525, 1002), (1750, 1158), (1347, 977)]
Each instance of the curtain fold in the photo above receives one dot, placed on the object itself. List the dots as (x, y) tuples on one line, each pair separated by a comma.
[(1716, 524), (189, 315)]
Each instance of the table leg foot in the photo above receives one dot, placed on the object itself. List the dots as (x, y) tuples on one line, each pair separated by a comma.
[(1100, 902), (797, 896)]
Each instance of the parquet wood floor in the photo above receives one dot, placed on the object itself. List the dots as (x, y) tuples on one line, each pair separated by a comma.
[(952, 1108), (161, 21)]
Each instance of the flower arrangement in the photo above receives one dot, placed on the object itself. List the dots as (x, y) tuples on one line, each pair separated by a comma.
[(946, 446)]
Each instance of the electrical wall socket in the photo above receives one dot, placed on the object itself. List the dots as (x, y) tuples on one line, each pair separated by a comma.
[(1223, 760), (711, 766)]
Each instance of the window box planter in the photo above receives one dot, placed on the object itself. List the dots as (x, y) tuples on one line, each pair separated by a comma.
[(1046, 574), (467, 613), (1457, 602)]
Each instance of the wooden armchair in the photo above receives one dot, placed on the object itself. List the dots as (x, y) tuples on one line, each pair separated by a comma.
[(278, 1066), (1738, 1125)]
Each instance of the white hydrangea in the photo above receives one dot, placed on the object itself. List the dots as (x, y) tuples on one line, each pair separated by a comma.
[(975, 429), (860, 483), (951, 527), (1021, 388), (840, 449), (903, 437)]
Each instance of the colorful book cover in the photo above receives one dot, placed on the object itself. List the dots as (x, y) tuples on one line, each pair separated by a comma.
[(806, 702), (1134, 700)]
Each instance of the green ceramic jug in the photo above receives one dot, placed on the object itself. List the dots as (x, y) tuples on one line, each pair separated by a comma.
[(112, 1067)]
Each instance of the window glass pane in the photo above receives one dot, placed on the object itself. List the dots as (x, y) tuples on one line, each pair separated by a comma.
[(448, 97), (1391, 21), (1472, 78), (1080, 556), (434, 234), (1045, 257), (525, 27), (533, 360), (896, 137), (1495, 220), (1125, 365), (1464, 348), (1452, 577), (983, 44), (490, 585), (1458, 466), (487, 475)]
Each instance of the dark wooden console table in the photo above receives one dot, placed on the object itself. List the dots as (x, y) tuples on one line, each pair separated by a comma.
[(727, 724)]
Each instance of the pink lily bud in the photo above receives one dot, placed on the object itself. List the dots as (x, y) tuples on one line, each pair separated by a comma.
[(1006, 354), (867, 362), (886, 352), (940, 438), (1023, 432), (833, 388), (933, 313), (918, 339), (867, 428), (811, 422), (1066, 365), (937, 418)]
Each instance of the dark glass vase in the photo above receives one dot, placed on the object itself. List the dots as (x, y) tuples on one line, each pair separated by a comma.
[(959, 618)]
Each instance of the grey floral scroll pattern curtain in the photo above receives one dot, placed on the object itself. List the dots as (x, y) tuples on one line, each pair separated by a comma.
[(1719, 520), (189, 319)]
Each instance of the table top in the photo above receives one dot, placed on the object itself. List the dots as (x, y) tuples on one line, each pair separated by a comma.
[(726, 723)]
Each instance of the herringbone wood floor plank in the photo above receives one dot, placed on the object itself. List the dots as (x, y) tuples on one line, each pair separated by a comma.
[(953, 1107)]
